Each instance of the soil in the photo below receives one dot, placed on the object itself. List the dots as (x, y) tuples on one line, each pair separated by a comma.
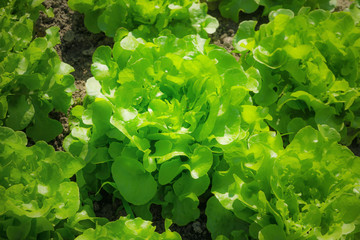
[(342, 5), (77, 47)]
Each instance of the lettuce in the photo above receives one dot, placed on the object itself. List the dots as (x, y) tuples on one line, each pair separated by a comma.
[(19, 8), (232, 8), (157, 118), (241, 186), (36, 194), (354, 10), (309, 68), (146, 18), (310, 190), (296, 5), (33, 79), (126, 228)]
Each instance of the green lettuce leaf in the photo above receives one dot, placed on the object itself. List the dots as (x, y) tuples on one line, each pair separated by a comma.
[(126, 228), (159, 114), (35, 190), (33, 79), (307, 191), (147, 19), (308, 65), (232, 8)]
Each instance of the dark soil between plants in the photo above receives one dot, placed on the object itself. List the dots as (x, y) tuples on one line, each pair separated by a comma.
[(77, 47)]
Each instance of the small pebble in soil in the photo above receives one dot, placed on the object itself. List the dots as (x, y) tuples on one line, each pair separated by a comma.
[(197, 227), (227, 41)]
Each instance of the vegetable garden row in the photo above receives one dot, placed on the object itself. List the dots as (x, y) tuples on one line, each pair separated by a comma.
[(170, 119)]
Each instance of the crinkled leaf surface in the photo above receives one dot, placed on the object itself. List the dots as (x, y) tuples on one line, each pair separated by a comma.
[(299, 191), (35, 188), (33, 79), (147, 18), (309, 72), (176, 104), (126, 228)]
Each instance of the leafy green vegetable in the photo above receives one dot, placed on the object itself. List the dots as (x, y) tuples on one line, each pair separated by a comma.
[(324, 180), (126, 228), (158, 115), (309, 68), (354, 10), (238, 185), (146, 18), (296, 5), (36, 194), (19, 8), (221, 222), (232, 8), (33, 80), (310, 190), (164, 119), (128, 167)]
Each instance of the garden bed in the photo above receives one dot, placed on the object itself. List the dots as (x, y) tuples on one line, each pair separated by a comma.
[(77, 47)]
